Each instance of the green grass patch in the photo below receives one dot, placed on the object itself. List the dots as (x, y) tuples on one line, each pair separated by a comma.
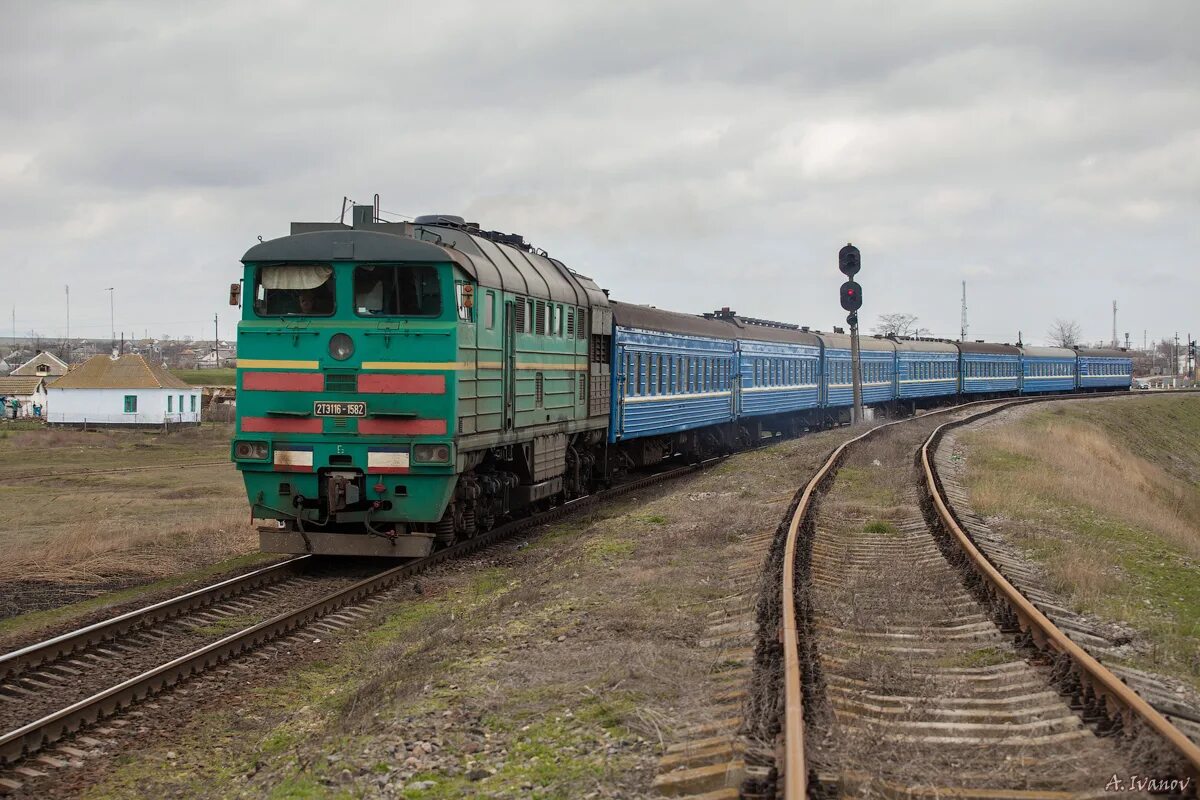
[(606, 550), (980, 657), (879, 526), (863, 485), (489, 582)]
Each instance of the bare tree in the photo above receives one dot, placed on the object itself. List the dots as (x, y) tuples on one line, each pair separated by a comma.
[(898, 325), (1064, 333)]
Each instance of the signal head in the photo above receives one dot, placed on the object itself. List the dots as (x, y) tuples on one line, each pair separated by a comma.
[(851, 296), (849, 260)]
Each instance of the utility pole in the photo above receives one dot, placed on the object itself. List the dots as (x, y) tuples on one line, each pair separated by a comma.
[(68, 353), (1115, 342), (216, 343), (963, 336), (1175, 356), (112, 315), (850, 262)]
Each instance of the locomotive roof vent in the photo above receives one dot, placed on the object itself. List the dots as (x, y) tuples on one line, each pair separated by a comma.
[(453, 220)]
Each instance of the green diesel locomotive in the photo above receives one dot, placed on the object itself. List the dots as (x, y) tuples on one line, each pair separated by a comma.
[(402, 385)]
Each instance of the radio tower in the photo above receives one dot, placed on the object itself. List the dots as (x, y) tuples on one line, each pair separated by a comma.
[(1115, 341), (963, 338)]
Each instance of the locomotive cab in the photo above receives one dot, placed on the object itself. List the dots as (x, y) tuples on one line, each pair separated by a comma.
[(348, 349)]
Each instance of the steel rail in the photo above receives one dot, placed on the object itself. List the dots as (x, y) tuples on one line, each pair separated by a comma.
[(34, 735), (35, 654), (1118, 697)]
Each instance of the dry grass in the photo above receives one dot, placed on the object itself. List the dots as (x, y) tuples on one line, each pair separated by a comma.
[(78, 528), (1068, 462), (1103, 495)]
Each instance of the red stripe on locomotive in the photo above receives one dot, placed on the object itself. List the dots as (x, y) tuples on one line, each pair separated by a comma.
[(283, 381), (402, 384), (274, 425), (411, 427)]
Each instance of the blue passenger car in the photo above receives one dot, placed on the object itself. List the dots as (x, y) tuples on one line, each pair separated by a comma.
[(878, 358), (671, 372), (926, 369), (1047, 369), (1104, 369), (988, 368), (779, 369)]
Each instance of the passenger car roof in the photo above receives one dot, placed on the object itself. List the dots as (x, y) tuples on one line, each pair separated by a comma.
[(630, 315), (924, 346), (752, 331), (988, 347), (842, 341), (1102, 352), (1048, 352)]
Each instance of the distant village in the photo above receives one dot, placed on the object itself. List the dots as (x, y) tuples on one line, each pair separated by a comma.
[(100, 383)]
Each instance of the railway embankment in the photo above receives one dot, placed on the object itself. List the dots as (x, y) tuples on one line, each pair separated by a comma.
[(1096, 504), (565, 661)]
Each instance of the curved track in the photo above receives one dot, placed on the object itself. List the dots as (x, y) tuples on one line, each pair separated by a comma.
[(907, 675)]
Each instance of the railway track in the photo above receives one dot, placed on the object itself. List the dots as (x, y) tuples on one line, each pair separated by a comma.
[(912, 667), (58, 688)]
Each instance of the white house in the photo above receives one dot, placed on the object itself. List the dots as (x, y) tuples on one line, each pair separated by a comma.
[(27, 391), (122, 391), (44, 364)]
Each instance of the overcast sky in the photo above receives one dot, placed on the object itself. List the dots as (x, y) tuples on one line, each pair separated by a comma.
[(687, 155)]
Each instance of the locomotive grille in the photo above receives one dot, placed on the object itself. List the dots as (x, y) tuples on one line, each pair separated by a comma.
[(580, 332), (540, 324), (519, 315), (341, 382)]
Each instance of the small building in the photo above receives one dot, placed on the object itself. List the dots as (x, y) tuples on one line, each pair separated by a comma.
[(27, 391), (5, 368), (45, 364), (107, 391)]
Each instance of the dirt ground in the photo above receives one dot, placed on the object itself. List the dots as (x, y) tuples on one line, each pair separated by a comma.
[(556, 665), (81, 515)]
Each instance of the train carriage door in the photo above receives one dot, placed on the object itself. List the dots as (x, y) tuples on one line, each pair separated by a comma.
[(512, 309)]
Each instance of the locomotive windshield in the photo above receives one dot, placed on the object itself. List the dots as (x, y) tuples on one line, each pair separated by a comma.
[(397, 291), (294, 290)]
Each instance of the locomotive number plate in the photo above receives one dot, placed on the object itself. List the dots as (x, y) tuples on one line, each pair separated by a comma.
[(326, 409)]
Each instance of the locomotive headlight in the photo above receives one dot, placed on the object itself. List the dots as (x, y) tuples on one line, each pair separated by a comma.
[(430, 454), (341, 346), (252, 451)]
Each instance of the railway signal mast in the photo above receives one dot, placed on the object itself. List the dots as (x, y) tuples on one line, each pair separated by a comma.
[(850, 262)]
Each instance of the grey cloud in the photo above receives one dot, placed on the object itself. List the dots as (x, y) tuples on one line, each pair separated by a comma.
[(689, 155)]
